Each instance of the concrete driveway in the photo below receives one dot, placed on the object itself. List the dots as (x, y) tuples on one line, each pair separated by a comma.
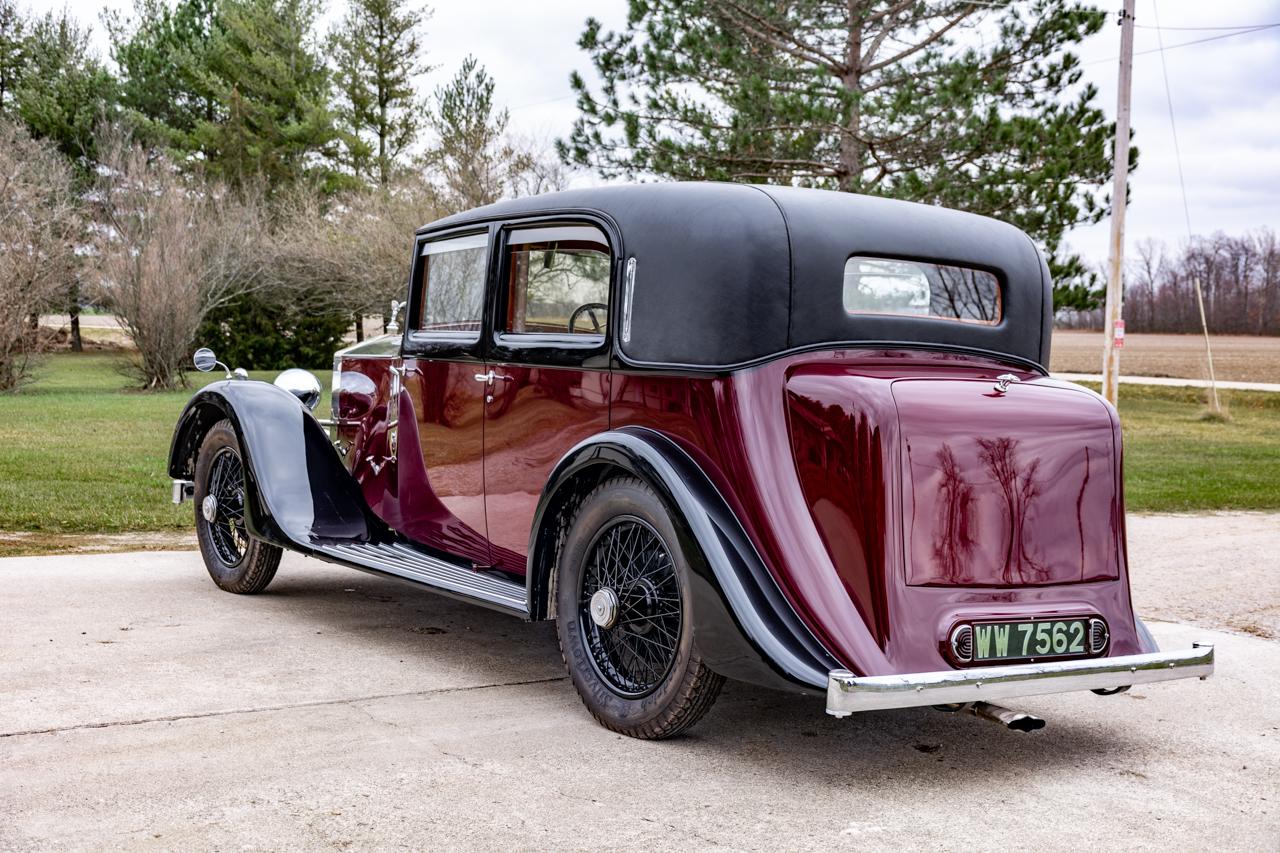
[(142, 708)]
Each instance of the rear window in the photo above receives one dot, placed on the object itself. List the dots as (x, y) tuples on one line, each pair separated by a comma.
[(920, 289)]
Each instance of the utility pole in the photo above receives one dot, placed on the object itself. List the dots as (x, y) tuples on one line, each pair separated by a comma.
[(1115, 287)]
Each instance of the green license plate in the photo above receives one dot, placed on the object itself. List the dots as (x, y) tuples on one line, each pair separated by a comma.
[(1022, 640)]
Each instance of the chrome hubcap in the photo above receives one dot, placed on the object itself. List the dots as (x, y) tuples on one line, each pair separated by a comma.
[(209, 508), (604, 607)]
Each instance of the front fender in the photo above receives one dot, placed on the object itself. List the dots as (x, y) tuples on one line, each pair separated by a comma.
[(745, 627), (297, 492)]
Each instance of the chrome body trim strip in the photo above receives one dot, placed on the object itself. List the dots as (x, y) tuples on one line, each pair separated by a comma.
[(847, 692), (628, 296), (408, 563)]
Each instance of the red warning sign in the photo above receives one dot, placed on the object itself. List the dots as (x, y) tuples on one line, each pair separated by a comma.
[(1119, 340)]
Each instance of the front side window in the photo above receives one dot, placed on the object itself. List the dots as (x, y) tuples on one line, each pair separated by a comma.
[(920, 289), (557, 281), (452, 283)]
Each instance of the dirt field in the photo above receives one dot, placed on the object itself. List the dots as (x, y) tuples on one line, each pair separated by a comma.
[(1241, 358)]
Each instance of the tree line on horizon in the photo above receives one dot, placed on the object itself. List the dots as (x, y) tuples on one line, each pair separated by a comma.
[(1239, 277), (295, 162)]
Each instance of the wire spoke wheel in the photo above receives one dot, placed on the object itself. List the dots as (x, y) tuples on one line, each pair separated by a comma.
[(624, 613), (224, 507), (629, 606)]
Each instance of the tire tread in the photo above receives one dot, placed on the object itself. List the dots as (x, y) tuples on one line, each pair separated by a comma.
[(700, 685), (261, 559)]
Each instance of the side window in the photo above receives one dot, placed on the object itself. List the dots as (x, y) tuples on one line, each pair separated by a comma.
[(452, 284), (557, 281)]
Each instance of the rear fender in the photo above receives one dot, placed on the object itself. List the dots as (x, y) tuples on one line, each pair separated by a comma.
[(298, 494), (745, 627)]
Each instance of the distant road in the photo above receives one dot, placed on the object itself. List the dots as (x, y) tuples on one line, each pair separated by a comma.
[(1246, 363), (1168, 380), (372, 323), (87, 321)]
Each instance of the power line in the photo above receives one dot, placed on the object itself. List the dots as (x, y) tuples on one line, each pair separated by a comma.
[(1161, 49), (1186, 207), (1173, 126), (543, 103), (1203, 29)]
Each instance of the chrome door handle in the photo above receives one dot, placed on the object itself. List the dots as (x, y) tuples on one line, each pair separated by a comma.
[(491, 377)]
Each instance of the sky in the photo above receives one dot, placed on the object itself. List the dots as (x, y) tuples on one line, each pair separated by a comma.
[(1225, 93)]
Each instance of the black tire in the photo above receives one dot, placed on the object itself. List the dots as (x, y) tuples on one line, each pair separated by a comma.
[(640, 675), (236, 561)]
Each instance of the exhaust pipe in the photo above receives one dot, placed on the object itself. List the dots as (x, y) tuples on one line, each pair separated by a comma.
[(1018, 721)]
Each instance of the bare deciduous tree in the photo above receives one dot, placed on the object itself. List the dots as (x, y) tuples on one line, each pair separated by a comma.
[(39, 221), (535, 167), (349, 254), (1240, 278), (170, 249)]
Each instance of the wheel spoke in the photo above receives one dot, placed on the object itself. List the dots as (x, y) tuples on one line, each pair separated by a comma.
[(638, 648), (226, 486)]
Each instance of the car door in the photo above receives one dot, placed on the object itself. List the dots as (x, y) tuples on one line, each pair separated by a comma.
[(440, 429), (548, 385)]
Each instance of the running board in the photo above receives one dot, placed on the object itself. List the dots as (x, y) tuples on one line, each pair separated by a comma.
[(440, 575)]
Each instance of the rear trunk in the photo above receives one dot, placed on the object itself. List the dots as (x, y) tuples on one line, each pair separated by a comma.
[(1006, 489), (940, 500)]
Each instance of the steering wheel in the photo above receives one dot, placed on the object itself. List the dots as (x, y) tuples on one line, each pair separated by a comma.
[(590, 309)]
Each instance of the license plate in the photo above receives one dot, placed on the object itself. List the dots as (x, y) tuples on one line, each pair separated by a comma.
[(1022, 640)]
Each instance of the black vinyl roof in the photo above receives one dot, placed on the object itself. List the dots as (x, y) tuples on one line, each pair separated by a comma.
[(727, 274)]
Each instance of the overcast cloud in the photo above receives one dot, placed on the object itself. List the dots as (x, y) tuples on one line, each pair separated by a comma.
[(1226, 95)]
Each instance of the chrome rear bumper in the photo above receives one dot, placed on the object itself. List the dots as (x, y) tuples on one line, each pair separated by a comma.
[(847, 692)]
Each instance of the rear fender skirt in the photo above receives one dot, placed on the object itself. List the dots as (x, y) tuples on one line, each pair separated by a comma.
[(745, 627), (298, 494)]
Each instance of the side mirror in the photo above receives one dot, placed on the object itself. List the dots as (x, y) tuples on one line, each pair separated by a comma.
[(204, 360), (301, 384)]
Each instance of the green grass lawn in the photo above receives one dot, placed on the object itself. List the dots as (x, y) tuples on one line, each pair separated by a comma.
[(80, 453), (1174, 460)]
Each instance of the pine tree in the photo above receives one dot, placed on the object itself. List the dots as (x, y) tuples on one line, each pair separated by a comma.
[(977, 106), (12, 53), (376, 56), (64, 92), (264, 69), (474, 158), (160, 52)]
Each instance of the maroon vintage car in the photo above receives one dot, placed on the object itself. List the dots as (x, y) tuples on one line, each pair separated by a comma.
[(798, 438)]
